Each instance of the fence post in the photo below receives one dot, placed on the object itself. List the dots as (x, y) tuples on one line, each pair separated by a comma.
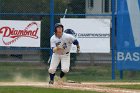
[(0, 8), (51, 19), (113, 38)]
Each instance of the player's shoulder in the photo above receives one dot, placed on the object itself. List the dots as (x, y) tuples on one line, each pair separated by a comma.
[(67, 35), (53, 38)]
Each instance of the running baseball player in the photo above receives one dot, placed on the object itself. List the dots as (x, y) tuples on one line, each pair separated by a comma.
[(61, 44)]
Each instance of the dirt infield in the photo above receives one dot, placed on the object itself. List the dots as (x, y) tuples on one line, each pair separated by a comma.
[(77, 86)]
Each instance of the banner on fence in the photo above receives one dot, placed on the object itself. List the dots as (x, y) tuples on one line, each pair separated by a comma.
[(20, 33), (93, 34), (128, 34)]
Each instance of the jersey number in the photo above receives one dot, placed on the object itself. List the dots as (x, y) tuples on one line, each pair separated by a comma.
[(64, 45)]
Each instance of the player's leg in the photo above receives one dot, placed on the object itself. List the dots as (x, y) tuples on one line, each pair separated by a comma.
[(53, 66), (65, 64)]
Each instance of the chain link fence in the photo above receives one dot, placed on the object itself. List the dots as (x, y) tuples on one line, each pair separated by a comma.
[(87, 66), (40, 10), (32, 63)]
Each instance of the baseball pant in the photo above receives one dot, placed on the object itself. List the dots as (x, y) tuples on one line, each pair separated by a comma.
[(56, 59)]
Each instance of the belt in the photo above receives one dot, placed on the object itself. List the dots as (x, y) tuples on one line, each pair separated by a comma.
[(67, 52)]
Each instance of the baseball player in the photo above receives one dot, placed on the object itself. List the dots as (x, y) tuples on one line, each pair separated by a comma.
[(61, 44)]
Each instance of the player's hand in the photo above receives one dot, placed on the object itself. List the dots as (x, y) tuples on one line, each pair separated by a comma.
[(78, 49), (59, 47), (56, 49)]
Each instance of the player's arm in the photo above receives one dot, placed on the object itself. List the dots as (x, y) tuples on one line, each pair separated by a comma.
[(54, 47), (75, 42)]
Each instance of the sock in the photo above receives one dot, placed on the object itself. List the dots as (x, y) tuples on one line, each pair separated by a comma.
[(62, 74), (52, 76)]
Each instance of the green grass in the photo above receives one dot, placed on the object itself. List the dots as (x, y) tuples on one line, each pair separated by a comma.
[(16, 64), (88, 74), (34, 72), (137, 87), (102, 74), (24, 89)]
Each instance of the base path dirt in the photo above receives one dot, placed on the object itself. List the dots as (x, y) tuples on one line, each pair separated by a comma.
[(78, 86)]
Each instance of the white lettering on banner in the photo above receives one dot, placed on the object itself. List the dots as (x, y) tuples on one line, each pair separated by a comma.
[(134, 13), (121, 56), (15, 34), (92, 35)]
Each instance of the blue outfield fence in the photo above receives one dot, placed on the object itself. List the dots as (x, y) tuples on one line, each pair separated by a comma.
[(128, 46)]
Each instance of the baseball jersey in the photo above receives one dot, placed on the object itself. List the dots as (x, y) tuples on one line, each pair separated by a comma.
[(65, 42)]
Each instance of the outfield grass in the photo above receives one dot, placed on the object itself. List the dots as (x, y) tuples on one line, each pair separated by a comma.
[(137, 87), (19, 89), (32, 72)]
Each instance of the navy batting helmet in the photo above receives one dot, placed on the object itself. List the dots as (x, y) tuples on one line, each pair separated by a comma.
[(58, 25), (70, 31)]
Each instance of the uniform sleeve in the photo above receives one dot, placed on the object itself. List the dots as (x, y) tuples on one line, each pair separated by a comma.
[(72, 38), (52, 43)]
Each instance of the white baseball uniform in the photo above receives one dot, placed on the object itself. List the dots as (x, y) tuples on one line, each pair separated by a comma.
[(62, 55)]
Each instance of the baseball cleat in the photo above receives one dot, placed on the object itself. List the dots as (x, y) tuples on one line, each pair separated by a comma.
[(51, 82)]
